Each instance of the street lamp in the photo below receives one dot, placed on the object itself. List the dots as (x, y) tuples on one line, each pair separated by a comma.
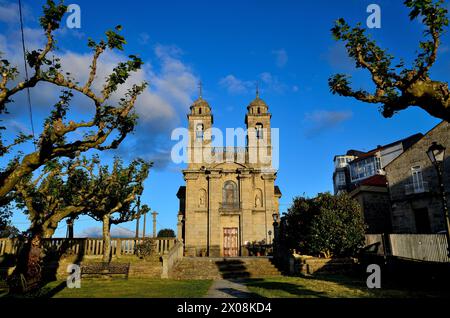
[(436, 153), (275, 217)]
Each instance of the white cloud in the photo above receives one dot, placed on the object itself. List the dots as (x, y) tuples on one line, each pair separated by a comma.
[(171, 84), (143, 38), (272, 83), (269, 82), (116, 232), (235, 85), (9, 12), (281, 57), (337, 57), (320, 120)]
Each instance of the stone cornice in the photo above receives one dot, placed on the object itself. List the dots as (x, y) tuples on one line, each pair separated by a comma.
[(269, 176)]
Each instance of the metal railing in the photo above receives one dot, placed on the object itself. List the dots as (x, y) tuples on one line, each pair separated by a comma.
[(415, 188)]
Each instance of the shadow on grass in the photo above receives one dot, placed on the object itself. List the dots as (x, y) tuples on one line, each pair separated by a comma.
[(297, 290), (239, 293)]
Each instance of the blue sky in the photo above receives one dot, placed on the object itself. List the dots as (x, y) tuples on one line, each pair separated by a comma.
[(229, 45)]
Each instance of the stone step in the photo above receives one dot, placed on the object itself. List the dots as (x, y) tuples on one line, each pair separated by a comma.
[(213, 268)]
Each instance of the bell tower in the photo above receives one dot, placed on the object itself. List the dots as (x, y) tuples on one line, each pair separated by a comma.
[(200, 121), (259, 139)]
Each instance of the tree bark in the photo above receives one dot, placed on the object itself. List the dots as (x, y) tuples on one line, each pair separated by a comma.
[(29, 266), (106, 239)]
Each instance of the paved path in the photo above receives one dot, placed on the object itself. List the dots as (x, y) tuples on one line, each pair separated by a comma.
[(224, 288)]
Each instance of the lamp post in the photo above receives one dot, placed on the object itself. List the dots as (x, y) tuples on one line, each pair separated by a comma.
[(436, 153), (275, 234)]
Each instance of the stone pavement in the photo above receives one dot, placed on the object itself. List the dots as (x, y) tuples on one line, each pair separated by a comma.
[(228, 288)]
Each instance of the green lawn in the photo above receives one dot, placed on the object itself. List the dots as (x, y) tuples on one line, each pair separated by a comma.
[(324, 286), (332, 286), (122, 288)]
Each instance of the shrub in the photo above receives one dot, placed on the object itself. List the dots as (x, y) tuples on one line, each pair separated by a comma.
[(146, 248), (328, 225)]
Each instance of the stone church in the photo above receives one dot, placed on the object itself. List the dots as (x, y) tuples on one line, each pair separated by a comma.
[(230, 198)]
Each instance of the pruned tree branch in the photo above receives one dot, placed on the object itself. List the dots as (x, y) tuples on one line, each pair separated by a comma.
[(109, 120), (398, 87)]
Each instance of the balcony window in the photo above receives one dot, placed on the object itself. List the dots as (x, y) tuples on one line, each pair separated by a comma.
[(417, 179), (340, 179), (363, 169)]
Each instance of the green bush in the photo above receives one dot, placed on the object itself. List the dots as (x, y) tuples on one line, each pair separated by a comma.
[(146, 248), (327, 225)]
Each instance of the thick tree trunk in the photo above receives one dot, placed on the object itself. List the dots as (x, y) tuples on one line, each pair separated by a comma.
[(28, 272), (106, 239)]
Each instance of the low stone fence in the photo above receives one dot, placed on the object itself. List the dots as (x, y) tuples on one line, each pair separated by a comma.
[(88, 246), (171, 257), (307, 265)]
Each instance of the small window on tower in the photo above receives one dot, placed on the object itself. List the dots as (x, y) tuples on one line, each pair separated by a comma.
[(259, 110), (200, 111), (259, 131), (199, 132)]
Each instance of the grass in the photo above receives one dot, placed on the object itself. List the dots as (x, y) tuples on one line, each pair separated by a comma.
[(320, 286), (122, 288), (332, 286)]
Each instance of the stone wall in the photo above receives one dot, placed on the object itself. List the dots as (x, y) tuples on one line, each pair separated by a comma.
[(399, 176), (376, 208)]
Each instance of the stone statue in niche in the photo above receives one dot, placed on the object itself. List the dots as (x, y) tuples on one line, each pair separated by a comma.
[(258, 201), (202, 199)]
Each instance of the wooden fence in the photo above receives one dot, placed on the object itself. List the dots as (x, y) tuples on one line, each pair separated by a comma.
[(424, 247), (89, 246)]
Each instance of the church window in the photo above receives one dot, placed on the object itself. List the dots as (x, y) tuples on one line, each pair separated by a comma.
[(259, 131), (230, 194), (200, 111), (199, 132)]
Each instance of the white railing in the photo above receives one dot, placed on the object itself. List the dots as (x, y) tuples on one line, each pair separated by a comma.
[(89, 246), (171, 257), (415, 188)]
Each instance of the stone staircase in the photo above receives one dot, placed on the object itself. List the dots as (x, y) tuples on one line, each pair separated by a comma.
[(147, 269), (226, 268)]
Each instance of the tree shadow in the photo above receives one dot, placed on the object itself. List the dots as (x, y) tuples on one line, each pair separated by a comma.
[(296, 290), (232, 268), (53, 255)]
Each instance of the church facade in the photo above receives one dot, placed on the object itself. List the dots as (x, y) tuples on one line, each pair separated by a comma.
[(230, 198)]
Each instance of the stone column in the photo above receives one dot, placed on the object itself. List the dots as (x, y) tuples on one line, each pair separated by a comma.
[(154, 214), (269, 188), (215, 197), (246, 224), (180, 227)]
